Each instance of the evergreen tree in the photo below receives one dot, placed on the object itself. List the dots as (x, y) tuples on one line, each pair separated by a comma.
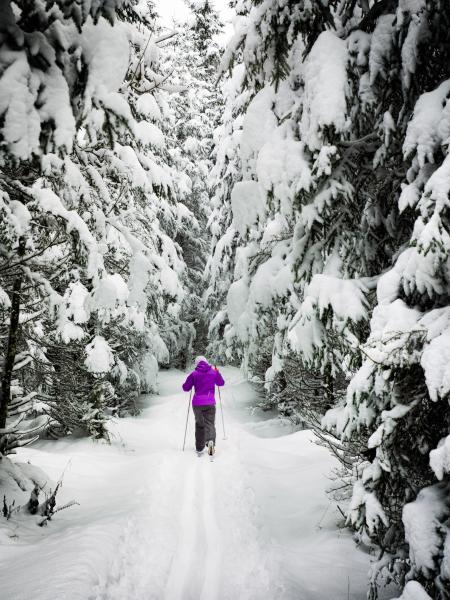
[(398, 400), (335, 236), (37, 120), (279, 174), (91, 268), (194, 59)]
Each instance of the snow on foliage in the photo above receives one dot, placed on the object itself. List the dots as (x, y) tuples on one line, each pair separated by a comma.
[(424, 533), (345, 297), (306, 332), (192, 55), (435, 362), (110, 293), (99, 357), (247, 204), (91, 202), (373, 511), (440, 458), (381, 46), (332, 284), (429, 125), (413, 591), (325, 81), (259, 124), (76, 298), (236, 302), (270, 282), (282, 168)]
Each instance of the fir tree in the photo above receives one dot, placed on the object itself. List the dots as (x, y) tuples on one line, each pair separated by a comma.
[(196, 100), (398, 399), (90, 226), (334, 229)]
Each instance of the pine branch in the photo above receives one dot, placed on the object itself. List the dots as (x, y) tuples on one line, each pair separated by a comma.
[(370, 18)]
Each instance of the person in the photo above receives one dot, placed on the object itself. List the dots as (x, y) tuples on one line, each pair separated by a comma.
[(203, 379)]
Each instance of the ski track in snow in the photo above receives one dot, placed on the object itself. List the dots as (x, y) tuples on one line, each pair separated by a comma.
[(181, 568), (199, 554), (212, 572), (198, 547)]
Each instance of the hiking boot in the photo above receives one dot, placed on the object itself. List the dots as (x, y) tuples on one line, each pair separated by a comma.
[(211, 448)]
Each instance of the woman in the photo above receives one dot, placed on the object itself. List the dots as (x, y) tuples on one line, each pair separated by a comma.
[(203, 379)]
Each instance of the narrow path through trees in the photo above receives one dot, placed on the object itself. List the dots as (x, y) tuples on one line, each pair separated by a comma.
[(156, 523)]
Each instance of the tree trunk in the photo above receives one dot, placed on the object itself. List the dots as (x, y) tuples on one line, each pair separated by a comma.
[(11, 348), (329, 388)]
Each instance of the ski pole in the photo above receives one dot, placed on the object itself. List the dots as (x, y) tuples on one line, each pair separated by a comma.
[(187, 419), (221, 410)]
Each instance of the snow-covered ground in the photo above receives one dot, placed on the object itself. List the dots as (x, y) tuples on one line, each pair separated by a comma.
[(158, 523)]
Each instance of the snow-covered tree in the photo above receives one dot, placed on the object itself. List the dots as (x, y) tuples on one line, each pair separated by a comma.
[(332, 247), (256, 219), (399, 397), (89, 200), (220, 266), (37, 119), (193, 59)]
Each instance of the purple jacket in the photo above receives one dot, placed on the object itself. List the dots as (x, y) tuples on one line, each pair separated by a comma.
[(203, 379)]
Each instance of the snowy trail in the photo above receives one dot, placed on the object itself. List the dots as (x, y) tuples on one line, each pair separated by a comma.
[(155, 523), (193, 566), (179, 577), (198, 546), (210, 590)]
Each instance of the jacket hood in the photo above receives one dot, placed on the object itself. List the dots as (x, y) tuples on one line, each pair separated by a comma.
[(203, 366)]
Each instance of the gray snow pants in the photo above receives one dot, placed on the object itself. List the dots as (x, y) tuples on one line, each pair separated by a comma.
[(205, 429)]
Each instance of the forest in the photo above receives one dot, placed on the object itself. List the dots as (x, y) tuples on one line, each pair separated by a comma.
[(276, 198)]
